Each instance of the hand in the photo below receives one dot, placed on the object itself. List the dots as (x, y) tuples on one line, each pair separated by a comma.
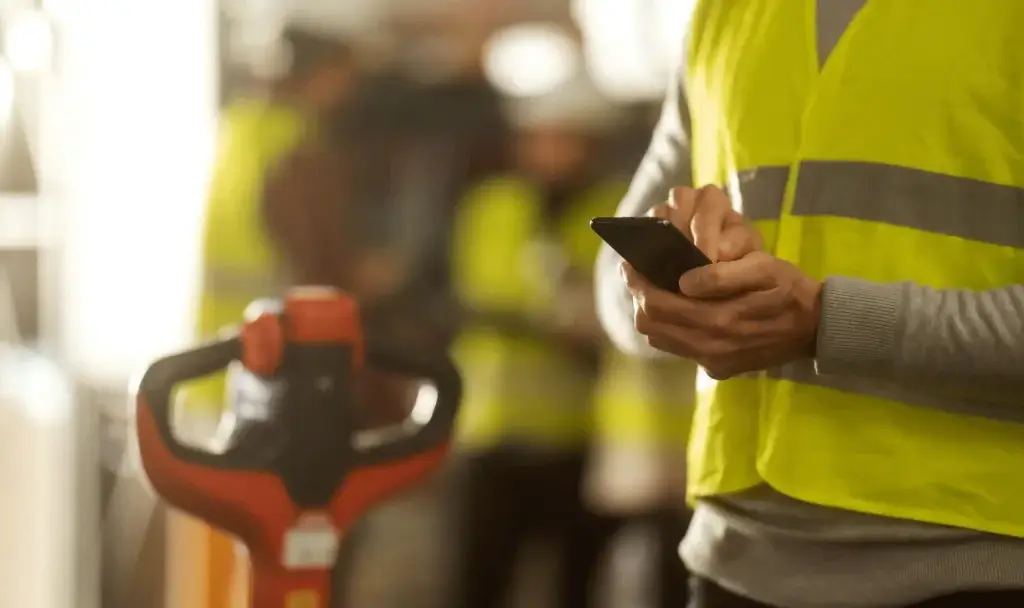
[(706, 216), (732, 317)]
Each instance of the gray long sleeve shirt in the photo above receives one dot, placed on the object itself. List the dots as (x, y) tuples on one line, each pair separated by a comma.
[(775, 549)]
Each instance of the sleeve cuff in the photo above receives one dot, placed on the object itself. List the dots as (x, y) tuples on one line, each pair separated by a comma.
[(860, 321)]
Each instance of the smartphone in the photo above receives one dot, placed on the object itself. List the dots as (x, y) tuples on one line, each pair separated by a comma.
[(653, 247)]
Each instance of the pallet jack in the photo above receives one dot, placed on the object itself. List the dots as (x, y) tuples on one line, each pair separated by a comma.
[(291, 484)]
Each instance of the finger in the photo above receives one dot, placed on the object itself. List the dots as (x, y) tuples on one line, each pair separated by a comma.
[(673, 339), (737, 240), (634, 281), (659, 305), (682, 202), (673, 309), (661, 211), (754, 272), (709, 217)]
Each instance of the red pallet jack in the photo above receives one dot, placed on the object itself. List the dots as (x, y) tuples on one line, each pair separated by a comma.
[(290, 486)]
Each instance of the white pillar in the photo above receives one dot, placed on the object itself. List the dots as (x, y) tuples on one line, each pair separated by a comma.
[(127, 125), (137, 111)]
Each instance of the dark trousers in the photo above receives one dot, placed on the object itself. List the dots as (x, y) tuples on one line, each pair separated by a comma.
[(671, 578), (705, 594), (508, 498)]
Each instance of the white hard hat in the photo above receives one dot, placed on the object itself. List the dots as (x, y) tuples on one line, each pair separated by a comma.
[(576, 104)]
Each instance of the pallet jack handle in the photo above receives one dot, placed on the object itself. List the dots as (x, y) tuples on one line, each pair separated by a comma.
[(289, 487)]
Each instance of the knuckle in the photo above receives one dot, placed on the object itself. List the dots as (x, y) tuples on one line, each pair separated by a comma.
[(660, 211), (656, 310), (718, 372), (713, 195), (721, 321), (719, 366), (684, 198), (642, 323), (763, 258), (718, 349), (712, 277)]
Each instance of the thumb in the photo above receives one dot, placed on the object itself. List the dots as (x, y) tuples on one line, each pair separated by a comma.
[(709, 220)]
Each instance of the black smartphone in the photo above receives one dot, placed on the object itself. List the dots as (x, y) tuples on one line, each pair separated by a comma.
[(652, 246)]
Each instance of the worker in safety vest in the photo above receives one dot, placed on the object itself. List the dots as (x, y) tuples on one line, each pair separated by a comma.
[(858, 436), (243, 261), (530, 351), (642, 414)]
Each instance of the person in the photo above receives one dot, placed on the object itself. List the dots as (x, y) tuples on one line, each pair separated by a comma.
[(854, 171), (641, 424), (520, 243), (249, 252)]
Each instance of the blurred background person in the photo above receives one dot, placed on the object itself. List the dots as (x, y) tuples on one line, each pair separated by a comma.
[(253, 245), (531, 350), (637, 472)]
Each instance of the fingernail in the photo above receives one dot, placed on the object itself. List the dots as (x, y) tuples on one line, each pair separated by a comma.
[(688, 283), (673, 198)]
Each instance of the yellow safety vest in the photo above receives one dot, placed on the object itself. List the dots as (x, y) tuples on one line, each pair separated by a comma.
[(643, 408), (902, 159), (239, 262), (644, 402), (518, 389)]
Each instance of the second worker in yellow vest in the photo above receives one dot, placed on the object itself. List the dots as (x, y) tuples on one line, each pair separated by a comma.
[(532, 355), (862, 444)]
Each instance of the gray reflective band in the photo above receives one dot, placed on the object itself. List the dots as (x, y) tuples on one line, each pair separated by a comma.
[(231, 283), (912, 198), (1006, 405), (760, 192)]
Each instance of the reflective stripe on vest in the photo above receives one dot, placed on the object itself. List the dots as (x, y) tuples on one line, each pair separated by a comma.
[(899, 196), (898, 161)]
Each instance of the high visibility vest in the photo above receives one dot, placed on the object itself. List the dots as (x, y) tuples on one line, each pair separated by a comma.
[(520, 389), (901, 159), (239, 262), (644, 401), (643, 408)]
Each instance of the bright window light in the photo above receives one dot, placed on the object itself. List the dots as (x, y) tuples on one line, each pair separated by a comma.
[(28, 40), (34, 386), (632, 45), (130, 132), (705, 383), (6, 90), (530, 59), (671, 18)]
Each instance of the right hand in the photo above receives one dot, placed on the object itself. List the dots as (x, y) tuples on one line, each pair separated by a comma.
[(706, 216)]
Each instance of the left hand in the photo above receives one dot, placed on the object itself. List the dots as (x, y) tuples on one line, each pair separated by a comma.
[(732, 317)]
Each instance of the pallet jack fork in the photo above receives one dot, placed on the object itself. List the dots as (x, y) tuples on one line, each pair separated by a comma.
[(289, 486)]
